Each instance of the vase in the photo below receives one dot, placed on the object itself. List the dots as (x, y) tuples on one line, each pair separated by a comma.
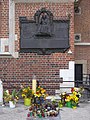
[(69, 104), (74, 104), (11, 104), (27, 101)]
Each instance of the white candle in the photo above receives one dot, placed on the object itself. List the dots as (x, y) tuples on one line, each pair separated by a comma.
[(34, 85)]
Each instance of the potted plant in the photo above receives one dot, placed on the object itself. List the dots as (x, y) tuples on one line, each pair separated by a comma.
[(11, 97), (27, 94), (72, 100)]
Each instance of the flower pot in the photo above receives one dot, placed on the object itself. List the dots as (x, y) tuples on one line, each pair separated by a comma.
[(69, 104), (74, 104), (27, 101), (11, 104)]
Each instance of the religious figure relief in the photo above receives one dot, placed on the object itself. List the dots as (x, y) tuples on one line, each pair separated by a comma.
[(44, 23)]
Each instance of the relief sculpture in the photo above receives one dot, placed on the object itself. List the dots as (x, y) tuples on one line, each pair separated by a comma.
[(44, 22)]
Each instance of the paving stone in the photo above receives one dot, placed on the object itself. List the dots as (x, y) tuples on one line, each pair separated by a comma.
[(20, 112)]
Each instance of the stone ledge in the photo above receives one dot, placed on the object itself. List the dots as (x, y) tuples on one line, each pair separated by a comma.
[(86, 44), (5, 55), (36, 1)]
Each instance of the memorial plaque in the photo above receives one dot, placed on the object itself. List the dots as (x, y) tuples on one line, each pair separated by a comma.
[(43, 34)]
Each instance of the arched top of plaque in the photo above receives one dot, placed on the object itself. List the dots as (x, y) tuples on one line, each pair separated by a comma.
[(43, 10), (44, 22)]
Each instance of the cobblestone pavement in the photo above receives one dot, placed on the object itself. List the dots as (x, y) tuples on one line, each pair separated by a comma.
[(81, 113), (20, 112)]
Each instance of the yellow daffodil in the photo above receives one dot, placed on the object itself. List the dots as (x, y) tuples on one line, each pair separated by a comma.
[(74, 107), (32, 92), (23, 95)]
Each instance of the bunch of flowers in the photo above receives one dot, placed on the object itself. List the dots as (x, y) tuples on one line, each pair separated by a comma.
[(40, 96), (73, 100), (11, 96), (41, 92), (26, 92), (77, 91), (74, 97), (63, 96)]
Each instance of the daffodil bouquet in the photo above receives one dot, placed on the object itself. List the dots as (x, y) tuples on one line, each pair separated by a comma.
[(41, 92), (26, 92), (74, 97), (11, 96)]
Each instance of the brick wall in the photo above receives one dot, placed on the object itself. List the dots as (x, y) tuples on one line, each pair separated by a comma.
[(82, 21), (82, 25), (45, 67), (83, 53), (0, 18), (4, 19)]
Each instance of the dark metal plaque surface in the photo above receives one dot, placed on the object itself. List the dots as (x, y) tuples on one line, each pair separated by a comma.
[(30, 40)]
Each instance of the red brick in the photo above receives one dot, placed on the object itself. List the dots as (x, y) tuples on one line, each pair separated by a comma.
[(45, 67)]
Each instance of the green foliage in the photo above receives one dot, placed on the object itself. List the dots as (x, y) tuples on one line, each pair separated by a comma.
[(11, 96)]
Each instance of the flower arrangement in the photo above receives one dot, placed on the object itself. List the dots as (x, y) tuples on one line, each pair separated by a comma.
[(62, 102), (36, 98), (26, 92), (27, 95), (74, 97), (39, 96), (11, 96), (40, 92), (71, 100)]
